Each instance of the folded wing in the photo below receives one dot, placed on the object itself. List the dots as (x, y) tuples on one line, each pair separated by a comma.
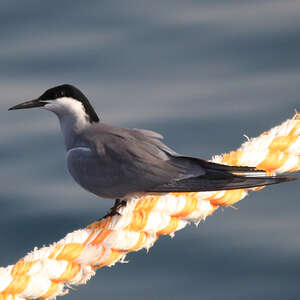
[(218, 177)]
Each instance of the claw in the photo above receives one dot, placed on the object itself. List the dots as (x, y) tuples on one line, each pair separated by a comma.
[(114, 210)]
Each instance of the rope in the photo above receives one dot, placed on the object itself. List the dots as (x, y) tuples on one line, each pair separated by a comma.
[(49, 271)]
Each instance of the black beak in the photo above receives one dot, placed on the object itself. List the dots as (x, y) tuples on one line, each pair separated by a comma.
[(29, 104)]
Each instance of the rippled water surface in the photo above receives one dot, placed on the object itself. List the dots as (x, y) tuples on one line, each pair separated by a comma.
[(203, 73)]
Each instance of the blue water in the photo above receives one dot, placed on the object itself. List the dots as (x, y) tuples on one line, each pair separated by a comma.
[(203, 73)]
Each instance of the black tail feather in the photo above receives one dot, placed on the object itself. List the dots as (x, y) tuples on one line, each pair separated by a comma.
[(215, 181)]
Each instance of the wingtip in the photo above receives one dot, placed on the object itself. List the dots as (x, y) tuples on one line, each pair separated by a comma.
[(283, 178), (289, 178)]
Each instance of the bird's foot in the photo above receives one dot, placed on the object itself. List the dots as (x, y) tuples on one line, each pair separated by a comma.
[(114, 211)]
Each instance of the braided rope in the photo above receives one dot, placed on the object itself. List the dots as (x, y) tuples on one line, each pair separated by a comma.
[(47, 272)]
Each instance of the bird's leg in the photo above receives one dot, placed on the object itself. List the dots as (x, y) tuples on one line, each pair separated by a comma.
[(114, 210)]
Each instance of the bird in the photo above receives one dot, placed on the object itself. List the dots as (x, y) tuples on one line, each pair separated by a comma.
[(117, 163)]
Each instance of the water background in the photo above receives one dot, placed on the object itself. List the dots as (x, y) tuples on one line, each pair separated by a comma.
[(202, 73)]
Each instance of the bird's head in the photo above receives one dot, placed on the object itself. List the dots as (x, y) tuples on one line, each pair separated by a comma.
[(64, 100)]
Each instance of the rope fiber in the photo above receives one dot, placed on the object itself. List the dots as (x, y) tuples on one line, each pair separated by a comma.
[(49, 271)]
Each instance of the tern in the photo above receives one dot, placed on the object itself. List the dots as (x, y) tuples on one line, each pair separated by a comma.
[(116, 163)]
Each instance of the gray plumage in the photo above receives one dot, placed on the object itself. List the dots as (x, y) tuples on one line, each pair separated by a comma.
[(115, 162), (119, 161)]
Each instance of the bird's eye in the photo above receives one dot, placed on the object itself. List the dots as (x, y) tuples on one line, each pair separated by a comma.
[(60, 94)]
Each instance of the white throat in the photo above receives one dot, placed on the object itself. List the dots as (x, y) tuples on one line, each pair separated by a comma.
[(72, 116), (69, 111)]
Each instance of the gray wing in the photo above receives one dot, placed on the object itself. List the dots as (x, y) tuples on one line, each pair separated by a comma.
[(120, 161), (115, 162), (219, 177)]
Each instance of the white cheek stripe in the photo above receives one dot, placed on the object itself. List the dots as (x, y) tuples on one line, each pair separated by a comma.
[(65, 104), (69, 111)]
